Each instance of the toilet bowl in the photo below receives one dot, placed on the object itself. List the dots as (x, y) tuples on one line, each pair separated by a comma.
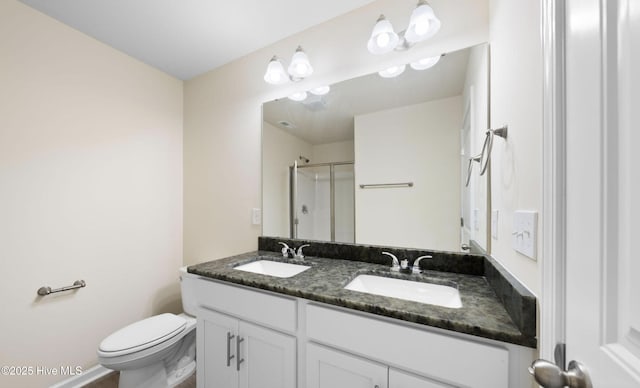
[(156, 352)]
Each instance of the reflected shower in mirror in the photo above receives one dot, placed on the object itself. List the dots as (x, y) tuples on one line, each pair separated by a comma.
[(382, 161)]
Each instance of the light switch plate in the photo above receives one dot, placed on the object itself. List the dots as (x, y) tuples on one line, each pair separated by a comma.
[(525, 232), (256, 216), (494, 224)]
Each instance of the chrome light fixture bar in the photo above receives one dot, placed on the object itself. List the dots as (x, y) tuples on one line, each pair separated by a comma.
[(423, 24), (298, 69)]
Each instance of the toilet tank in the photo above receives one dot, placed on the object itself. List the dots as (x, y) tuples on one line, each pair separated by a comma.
[(188, 291)]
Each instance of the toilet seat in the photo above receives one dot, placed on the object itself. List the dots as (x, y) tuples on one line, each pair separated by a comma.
[(142, 335)]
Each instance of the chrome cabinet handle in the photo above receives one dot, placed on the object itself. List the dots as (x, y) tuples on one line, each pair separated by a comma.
[(229, 355), (238, 359)]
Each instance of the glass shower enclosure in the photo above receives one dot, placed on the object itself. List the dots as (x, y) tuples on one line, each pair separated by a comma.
[(322, 202)]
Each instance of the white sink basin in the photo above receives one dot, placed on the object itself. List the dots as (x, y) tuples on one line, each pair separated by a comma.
[(408, 290), (273, 268)]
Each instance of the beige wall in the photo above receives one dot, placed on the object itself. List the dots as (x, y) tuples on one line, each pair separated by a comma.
[(516, 100), (90, 188), (223, 114), (420, 144)]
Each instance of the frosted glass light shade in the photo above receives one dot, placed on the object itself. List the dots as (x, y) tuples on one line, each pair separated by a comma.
[(383, 39), (275, 73), (423, 23), (320, 90), (393, 71), (300, 66), (425, 63), (298, 96)]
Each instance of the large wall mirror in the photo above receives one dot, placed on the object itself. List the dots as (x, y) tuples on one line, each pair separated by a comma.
[(382, 161)]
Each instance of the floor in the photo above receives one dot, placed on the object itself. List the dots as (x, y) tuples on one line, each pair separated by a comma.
[(111, 381)]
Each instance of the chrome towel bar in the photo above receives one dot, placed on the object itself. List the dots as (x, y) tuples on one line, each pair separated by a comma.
[(386, 185), (43, 291)]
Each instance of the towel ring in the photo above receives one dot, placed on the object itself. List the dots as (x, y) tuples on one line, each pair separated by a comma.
[(485, 155)]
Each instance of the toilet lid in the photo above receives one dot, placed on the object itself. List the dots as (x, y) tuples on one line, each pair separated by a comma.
[(144, 334)]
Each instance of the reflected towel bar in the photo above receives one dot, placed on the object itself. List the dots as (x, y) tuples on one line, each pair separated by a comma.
[(386, 185), (43, 291)]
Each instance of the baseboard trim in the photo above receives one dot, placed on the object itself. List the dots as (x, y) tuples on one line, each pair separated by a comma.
[(83, 379)]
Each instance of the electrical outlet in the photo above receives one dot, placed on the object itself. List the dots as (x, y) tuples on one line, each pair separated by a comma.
[(494, 224), (256, 216), (525, 232)]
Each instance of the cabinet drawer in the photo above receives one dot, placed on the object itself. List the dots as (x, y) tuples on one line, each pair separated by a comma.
[(449, 359), (255, 306)]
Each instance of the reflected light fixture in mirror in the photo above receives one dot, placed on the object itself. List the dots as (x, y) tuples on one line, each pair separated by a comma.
[(393, 71), (423, 24), (299, 69), (425, 63), (298, 96)]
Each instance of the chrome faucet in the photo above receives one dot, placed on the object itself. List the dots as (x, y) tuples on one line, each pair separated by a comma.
[(286, 250), (395, 264), (298, 253), (416, 264)]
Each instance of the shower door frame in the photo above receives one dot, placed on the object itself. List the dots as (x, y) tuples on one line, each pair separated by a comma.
[(293, 212)]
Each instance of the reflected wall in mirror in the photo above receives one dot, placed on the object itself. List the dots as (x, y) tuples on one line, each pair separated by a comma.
[(382, 161)]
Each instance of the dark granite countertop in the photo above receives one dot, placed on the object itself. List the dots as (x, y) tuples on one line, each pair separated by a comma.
[(482, 313)]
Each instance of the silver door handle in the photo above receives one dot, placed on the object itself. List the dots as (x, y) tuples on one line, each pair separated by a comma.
[(229, 355), (549, 375), (465, 247), (238, 359)]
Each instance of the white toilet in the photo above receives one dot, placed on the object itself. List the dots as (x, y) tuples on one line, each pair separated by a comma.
[(156, 352)]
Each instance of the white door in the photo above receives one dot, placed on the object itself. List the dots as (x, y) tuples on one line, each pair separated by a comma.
[(400, 379), (269, 358), (216, 334), (603, 190), (327, 368)]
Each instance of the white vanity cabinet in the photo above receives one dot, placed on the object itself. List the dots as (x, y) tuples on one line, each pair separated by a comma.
[(330, 368), (286, 342), (235, 353), (400, 379)]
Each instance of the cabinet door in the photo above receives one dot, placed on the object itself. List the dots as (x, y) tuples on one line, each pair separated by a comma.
[(327, 368), (399, 379), (214, 348), (269, 358)]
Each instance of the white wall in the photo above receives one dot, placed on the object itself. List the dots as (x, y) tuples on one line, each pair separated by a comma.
[(516, 100), (223, 113), (279, 151), (90, 188), (341, 151), (420, 144)]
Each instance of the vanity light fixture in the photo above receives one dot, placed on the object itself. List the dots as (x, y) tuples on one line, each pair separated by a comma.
[(383, 39), (392, 71), (299, 69), (423, 24)]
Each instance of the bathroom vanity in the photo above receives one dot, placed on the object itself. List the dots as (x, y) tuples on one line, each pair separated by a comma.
[(307, 330)]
